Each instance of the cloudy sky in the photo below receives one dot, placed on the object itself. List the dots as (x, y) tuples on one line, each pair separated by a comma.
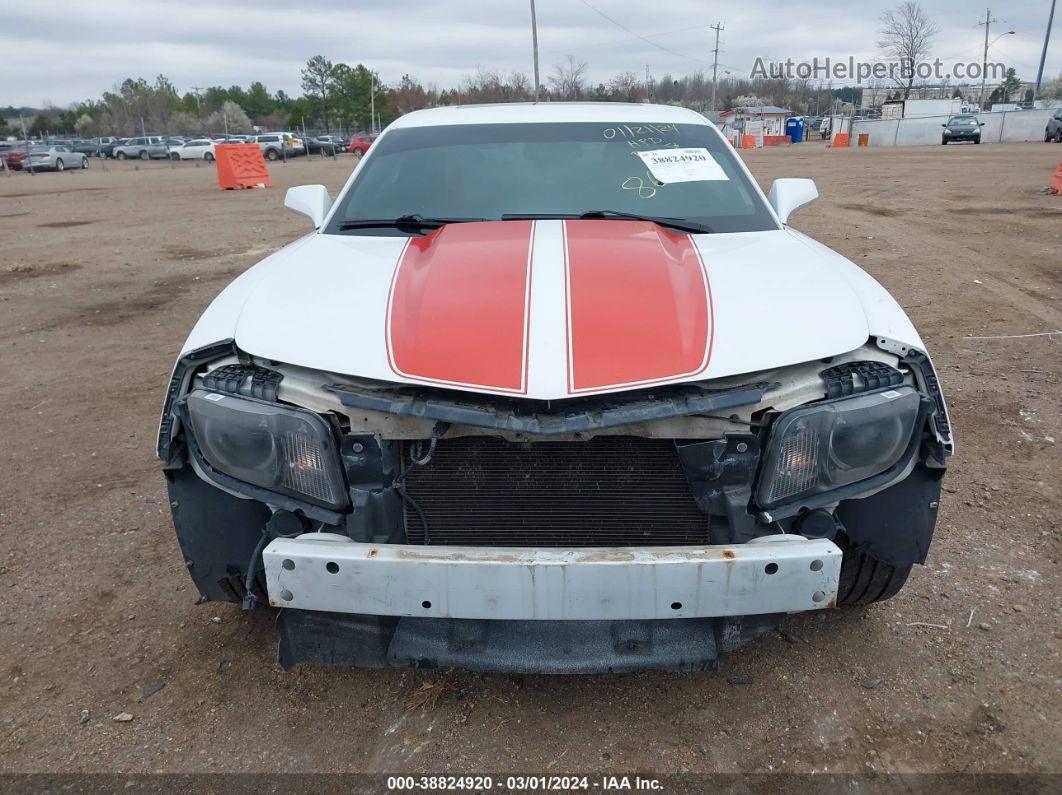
[(61, 51)]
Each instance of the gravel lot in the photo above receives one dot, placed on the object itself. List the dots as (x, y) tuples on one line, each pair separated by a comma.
[(102, 274)]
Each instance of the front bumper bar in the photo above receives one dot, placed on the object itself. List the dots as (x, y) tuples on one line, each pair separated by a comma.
[(331, 573)]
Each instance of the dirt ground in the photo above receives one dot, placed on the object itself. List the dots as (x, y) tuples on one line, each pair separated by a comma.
[(102, 274)]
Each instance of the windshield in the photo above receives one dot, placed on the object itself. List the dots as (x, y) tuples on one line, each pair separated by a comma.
[(485, 171), (963, 121)]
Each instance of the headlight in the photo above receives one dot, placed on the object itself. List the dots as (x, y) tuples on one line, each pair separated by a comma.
[(286, 450), (819, 448)]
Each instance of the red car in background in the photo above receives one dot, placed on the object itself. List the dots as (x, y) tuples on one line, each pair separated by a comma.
[(359, 144), (14, 154)]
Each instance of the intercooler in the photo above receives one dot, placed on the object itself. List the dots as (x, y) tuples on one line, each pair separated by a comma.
[(608, 491)]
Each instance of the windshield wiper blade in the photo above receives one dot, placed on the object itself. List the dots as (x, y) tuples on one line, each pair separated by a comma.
[(412, 222), (680, 224)]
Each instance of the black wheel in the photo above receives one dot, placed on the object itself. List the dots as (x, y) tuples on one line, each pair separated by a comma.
[(865, 580), (120, 156), (271, 154), (977, 140), (208, 156), (59, 165), (84, 162), (943, 141), (144, 154), (1058, 136), (357, 153), (174, 156), (1047, 137)]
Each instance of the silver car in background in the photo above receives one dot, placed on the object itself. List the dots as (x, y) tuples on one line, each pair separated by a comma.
[(58, 157), (144, 147)]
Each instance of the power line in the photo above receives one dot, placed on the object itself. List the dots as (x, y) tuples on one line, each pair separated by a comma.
[(614, 42), (638, 35)]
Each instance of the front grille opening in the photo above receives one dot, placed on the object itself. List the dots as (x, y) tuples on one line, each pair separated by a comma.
[(608, 491)]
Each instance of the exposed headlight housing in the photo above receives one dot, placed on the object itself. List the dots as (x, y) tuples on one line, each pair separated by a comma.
[(279, 448), (827, 446)]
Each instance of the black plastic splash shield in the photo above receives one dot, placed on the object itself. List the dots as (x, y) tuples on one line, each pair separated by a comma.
[(529, 647)]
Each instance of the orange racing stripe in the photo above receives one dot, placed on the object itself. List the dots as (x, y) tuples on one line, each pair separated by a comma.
[(458, 309), (638, 305)]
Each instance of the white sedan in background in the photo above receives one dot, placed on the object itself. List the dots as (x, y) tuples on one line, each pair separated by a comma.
[(196, 149)]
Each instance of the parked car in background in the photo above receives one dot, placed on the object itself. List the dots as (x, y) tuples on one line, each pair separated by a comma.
[(325, 144), (103, 141), (298, 146), (195, 149), (107, 149), (274, 146), (15, 155), (55, 158), (1053, 132), (86, 146), (962, 128), (6, 148), (144, 148), (359, 144)]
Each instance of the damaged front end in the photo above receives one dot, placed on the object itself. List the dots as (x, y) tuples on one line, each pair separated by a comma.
[(412, 525)]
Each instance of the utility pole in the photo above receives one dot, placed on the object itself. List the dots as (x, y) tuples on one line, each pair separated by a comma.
[(372, 102), (1043, 55), (984, 64), (718, 28), (534, 45)]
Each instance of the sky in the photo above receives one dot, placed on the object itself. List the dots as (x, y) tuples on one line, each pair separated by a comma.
[(62, 51)]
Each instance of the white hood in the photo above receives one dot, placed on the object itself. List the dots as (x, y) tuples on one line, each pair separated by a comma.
[(551, 309)]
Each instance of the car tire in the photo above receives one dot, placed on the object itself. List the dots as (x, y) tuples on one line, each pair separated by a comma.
[(1058, 136), (943, 141), (59, 164), (271, 154), (977, 140), (865, 580), (1047, 137), (120, 156), (174, 156), (144, 154), (84, 162), (208, 156), (357, 152)]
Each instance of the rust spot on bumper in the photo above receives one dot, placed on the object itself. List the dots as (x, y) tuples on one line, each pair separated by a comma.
[(373, 552), (729, 554)]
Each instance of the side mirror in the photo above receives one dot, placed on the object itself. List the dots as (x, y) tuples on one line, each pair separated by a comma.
[(309, 200), (982, 124), (789, 194), (943, 125)]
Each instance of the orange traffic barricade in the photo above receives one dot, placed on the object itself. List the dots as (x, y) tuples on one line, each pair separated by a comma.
[(748, 141), (863, 139), (839, 140), (241, 166), (1056, 181)]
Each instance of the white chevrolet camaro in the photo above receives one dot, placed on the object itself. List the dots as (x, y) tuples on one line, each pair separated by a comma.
[(551, 387)]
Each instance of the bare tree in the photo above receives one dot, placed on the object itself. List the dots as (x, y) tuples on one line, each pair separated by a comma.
[(626, 88), (569, 79), (906, 36)]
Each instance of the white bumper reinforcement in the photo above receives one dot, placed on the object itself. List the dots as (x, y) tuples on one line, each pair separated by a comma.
[(775, 574)]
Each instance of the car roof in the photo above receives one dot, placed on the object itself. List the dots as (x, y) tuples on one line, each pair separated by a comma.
[(518, 112)]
